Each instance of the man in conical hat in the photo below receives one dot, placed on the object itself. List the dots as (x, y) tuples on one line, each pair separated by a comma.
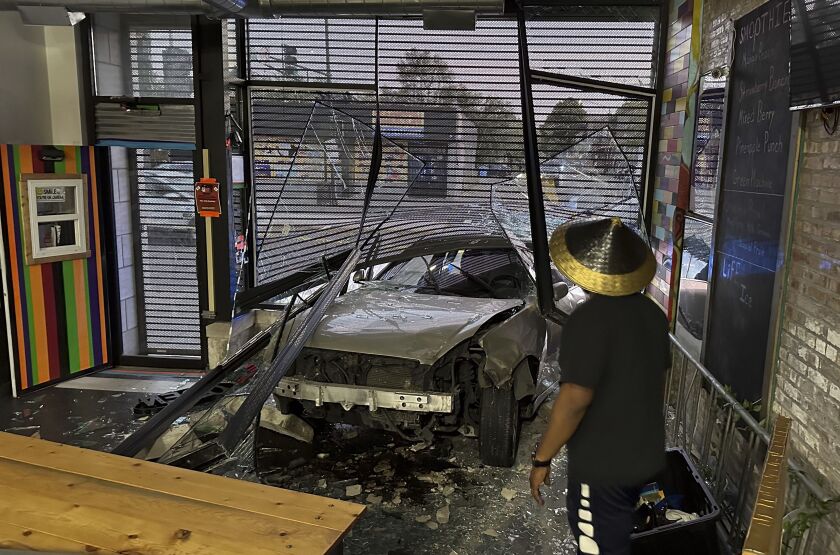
[(614, 352)]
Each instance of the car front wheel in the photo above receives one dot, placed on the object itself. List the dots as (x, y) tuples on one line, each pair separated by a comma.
[(498, 436)]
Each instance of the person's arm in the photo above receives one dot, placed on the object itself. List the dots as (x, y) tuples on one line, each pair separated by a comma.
[(569, 409), (582, 359)]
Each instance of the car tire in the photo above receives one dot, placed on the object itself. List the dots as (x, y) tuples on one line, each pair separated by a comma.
[(498, 434)]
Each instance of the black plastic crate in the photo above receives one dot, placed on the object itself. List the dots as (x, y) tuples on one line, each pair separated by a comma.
[(698, 537)]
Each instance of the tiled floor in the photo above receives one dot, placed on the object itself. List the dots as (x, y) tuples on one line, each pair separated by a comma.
[(94, 411)]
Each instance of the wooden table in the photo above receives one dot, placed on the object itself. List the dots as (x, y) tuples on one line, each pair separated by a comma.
[(57, 497)]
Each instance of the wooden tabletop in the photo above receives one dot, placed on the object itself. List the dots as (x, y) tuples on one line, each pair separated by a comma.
[(56, 497)]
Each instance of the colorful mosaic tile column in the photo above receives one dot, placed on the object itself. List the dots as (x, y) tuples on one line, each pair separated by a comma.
[(671, 185)]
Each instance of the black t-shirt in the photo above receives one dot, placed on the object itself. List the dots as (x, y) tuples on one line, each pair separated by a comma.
[(619, 347)]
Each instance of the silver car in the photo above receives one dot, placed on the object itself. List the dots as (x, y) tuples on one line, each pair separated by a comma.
[(441, 343)]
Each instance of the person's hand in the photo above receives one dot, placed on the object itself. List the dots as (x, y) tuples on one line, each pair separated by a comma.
[(539, 476)]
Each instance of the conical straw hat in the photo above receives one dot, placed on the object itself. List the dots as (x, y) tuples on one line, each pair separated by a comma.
[(603, 256)]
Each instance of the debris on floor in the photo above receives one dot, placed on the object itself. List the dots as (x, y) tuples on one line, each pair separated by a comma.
[(460, 501), (31, 431), (85, 418), (436, 500), (442, 515), (508, 494), (288, 424), (165, 442)]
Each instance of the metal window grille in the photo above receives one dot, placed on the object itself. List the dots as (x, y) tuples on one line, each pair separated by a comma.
[(450, 104), (608, 43), (165, 236), (707, 151), (323, 50), (814, 51), (149, 57), (161, 59), (172, 123), (166, 273)]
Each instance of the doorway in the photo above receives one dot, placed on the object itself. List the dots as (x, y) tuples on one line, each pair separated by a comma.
[(155, 237)]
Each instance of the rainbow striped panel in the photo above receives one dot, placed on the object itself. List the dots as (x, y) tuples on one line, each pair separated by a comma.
[(59, 317)]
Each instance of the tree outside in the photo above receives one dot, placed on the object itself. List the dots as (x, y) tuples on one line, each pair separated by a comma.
[(425, 79), (499, 135), (629, 126), (567, 124)]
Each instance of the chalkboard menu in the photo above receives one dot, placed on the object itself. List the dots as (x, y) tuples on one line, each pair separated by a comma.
[(747, 252)]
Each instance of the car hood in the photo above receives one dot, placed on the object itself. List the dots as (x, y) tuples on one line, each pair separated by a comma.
[(378, 319)]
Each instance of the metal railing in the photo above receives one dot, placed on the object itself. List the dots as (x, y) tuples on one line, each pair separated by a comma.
[(729, 447)]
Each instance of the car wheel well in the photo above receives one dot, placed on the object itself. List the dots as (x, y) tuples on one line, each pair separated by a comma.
[(534, 364)]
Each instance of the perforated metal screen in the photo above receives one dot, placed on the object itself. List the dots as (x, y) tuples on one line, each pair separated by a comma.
[(311, 50), (168, 282), (450, 106), (161, 62), (161, 57), (608, 43), (707, 151), (814, 53)]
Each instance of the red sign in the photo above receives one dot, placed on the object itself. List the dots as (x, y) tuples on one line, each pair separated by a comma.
[(207, 201)]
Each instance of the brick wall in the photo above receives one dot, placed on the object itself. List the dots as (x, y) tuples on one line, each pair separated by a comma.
[(718, 25), (124, 209), (807, 368)]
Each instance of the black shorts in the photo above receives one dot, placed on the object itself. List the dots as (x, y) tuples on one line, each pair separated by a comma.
[(601, 517)]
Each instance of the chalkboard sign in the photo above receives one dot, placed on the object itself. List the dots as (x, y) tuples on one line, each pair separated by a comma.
[(747, 253)]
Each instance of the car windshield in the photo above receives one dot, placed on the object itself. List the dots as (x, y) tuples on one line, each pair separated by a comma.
[(486, 273)]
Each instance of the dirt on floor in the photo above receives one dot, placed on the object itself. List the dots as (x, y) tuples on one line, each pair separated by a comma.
[(424, 498)]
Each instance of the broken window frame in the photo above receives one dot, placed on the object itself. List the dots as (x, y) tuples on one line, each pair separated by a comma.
[(717, 86), (538, 224), (539, 235), (345, 83)]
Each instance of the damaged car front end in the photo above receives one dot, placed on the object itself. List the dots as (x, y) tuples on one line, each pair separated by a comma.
[(442, 343)]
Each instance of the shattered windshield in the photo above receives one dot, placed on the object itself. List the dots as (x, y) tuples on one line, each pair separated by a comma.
[(483, 273)]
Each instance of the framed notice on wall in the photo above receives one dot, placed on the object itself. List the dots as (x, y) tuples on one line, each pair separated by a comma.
[(54, 215)]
